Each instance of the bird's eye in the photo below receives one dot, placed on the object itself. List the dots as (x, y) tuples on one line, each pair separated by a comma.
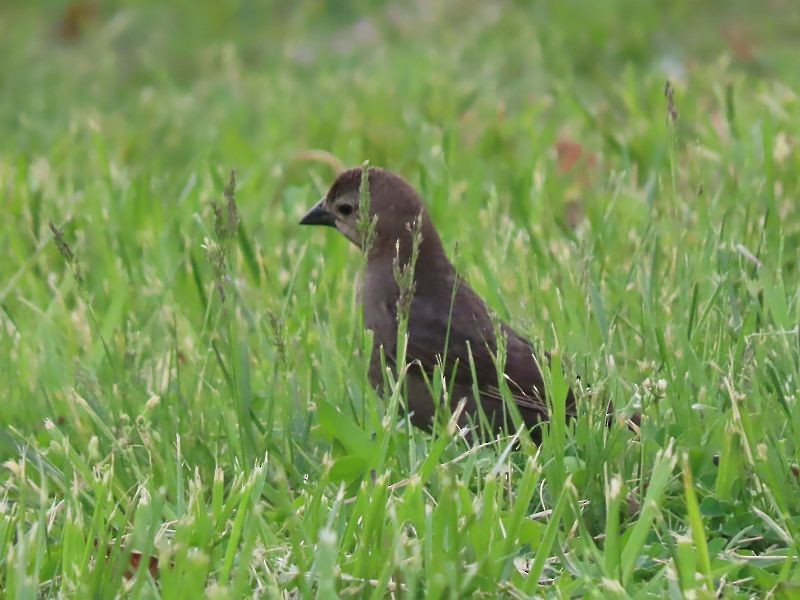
[(345, 209)]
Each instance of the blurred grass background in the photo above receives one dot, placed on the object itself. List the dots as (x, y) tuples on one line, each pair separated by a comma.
[(235, 447)]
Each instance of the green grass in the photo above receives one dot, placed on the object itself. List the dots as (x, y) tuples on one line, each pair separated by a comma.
[(237, 447)]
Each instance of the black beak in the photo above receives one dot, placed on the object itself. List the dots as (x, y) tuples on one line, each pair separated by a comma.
[(319, 216)]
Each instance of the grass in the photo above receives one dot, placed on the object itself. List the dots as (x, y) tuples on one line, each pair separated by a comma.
[(159, 441)]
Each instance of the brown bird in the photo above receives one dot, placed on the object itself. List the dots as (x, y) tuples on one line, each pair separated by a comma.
[(449, 325)]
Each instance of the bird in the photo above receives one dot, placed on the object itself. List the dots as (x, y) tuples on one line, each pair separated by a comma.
[(448, 324)]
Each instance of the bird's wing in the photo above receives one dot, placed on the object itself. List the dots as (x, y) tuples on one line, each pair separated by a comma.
[(469, 347), (465, 341)]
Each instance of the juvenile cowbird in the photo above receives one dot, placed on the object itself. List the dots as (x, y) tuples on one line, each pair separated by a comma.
[(448, 323)]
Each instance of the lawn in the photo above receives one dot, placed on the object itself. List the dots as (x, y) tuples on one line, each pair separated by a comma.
[(185, 407)]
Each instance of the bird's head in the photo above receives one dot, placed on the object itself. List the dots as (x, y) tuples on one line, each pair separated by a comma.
[(393, 208)]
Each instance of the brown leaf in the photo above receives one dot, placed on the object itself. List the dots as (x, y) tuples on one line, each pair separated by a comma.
[(739, 42), (568, 154), (135, 561), (76, 16)]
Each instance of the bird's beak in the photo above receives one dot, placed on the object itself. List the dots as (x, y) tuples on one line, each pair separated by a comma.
[(318, 215)]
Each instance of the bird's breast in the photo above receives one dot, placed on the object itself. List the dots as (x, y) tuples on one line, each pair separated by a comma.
[(379, 299)]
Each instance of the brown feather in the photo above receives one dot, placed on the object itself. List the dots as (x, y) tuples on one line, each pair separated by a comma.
[(449, 325)]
